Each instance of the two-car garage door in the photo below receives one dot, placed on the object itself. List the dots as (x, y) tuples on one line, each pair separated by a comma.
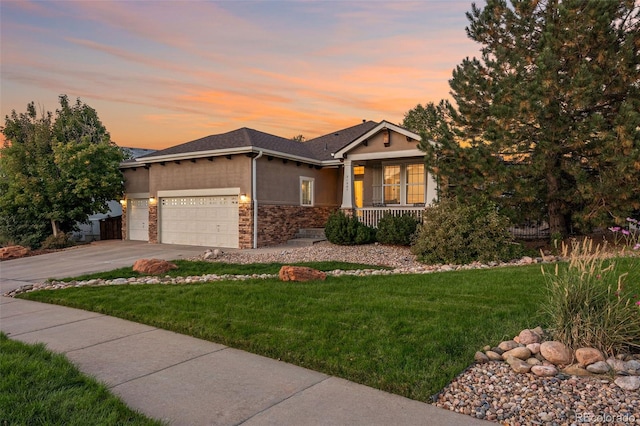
[(200, 221)]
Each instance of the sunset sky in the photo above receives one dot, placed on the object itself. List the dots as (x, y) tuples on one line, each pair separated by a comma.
[(160, 73)]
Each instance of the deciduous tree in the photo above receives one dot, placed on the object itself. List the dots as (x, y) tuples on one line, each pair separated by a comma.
[(57, 169)]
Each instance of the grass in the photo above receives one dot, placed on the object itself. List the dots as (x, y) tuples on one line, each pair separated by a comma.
[(406, 334), (38, 387), (193, 268)]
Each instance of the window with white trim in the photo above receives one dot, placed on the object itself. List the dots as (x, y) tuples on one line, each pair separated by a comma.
[(391, 184), (306, 191), (403, 184), (415, 183)]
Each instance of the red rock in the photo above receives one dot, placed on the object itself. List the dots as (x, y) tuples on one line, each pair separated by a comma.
[(556, 352), (527, 336), (153, 266), (587, 356), (544, 371), (300, 273), (519, 352), (13, 252)]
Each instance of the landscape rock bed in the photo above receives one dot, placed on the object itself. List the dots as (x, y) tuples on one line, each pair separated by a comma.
[(528, 380), (493, 391)]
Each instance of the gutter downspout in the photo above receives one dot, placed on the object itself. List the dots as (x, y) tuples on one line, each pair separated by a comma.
[(254, 196)]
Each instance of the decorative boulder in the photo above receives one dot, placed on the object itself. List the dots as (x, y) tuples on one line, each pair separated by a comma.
[(628, 383), (480, 358), (300, 273), (212, 254), (518, 365), (599, 367), (544, 370), (507, 345), (556, 352), (493, 356), (534, 348), (575, 370), (527, 336), (13, 252), (519, 352), (153, 266), (587, 356)]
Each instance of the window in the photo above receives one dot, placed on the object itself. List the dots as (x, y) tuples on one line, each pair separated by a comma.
[(403, 184), (306, 191), (391, 184), (415, 183)]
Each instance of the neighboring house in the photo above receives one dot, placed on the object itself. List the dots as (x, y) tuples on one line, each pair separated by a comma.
[(100, 226), (248, 189)]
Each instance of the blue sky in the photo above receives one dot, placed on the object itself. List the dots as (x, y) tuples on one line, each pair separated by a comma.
[(161, 73)]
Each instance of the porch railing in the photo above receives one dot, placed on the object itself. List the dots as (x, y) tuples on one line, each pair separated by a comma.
[(370, 216)]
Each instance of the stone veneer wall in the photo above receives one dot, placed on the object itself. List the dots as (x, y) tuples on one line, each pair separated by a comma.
[(153, 223), (124, 222), (245, 224), (278, 224)]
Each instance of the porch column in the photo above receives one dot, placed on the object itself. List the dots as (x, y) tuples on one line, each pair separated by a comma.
[(347, 186)]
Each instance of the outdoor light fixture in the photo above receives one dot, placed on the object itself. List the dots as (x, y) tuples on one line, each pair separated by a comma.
[(123, 201), (244, 198), (152, 200), (386, 138)]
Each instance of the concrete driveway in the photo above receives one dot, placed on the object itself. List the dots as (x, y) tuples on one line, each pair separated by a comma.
[(95, 257)]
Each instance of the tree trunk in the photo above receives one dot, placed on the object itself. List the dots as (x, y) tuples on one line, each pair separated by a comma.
[(55, 227), (557, 222)]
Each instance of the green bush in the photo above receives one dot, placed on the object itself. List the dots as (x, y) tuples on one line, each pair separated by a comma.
[(344, 230), (452, 232), (587, 304), (396, 230), (59, 241)]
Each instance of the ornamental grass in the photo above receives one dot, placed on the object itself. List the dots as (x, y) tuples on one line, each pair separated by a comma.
[(588, 305)]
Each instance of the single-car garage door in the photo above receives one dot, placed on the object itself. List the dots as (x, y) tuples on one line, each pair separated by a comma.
[(138, 219), (200, 221)]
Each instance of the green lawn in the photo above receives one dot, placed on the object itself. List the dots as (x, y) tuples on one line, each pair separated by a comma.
[(38, 387), (406, 334)]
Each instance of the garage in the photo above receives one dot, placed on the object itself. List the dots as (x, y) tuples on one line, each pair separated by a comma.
[(200, 221), (138, 219)]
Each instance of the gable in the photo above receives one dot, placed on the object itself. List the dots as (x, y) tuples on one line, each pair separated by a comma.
[(383, 141)]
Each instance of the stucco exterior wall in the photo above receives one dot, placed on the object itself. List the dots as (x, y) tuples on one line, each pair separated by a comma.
[(375, 144), (201, 174), (136, 180), (279, 183)]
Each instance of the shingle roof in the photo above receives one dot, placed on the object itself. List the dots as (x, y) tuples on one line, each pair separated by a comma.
[(319, 149), (322, 147)]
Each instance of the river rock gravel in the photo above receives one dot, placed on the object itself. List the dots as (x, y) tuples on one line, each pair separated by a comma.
[(492, 391)]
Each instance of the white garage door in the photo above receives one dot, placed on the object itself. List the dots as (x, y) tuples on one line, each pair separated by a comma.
[(138, 219), (200, 221)]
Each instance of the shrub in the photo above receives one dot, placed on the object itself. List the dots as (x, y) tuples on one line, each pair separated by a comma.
[(587, 304), (344, 230), (59, 241), (397, 230), (452, 232)]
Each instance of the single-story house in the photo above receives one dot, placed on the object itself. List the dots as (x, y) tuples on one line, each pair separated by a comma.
[(249, 189)]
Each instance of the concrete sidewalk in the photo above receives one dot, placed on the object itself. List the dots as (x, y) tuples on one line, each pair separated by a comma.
[(187, 381)]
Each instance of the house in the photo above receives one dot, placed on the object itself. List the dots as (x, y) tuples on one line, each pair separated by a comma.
[(94, 228), (249, 189)]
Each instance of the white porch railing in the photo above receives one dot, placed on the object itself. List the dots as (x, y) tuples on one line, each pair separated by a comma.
[(370, 216)]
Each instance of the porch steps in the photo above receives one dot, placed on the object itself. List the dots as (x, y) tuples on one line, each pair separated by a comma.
[(307, 237)]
